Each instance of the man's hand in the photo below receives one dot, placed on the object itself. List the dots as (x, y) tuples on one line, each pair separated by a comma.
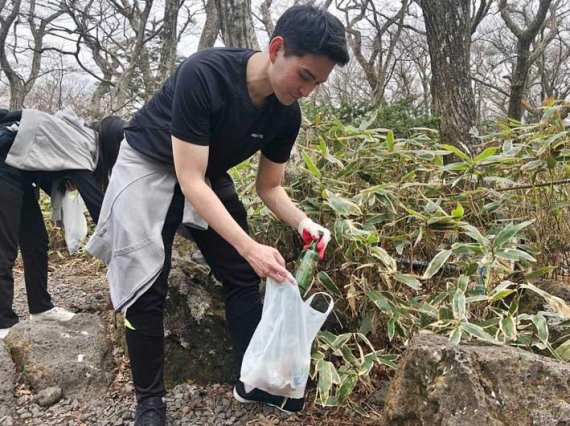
[(266, 262), (310, 231)]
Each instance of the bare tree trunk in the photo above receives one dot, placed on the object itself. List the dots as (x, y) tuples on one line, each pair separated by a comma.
[(169, 39), (519, 80), (14, 80), (448, 30), (138, 21), (95, 108), (236, 23), (148, 78), (266, 19), (211, 26), (524, 57)]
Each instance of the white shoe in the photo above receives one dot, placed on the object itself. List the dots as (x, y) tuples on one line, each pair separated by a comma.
[(4, 332), (53, 314)]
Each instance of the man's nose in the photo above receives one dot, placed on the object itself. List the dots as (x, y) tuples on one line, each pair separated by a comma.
[(306, 89)]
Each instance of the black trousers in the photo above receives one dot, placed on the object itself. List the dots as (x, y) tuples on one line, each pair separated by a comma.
[(241, 287), (21, 224)]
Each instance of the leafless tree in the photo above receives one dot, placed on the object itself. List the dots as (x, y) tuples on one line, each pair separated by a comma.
[(554, 68), (515, 18), (65, 87), (412, 78), (373, 36), (134, 49), (35, 22)]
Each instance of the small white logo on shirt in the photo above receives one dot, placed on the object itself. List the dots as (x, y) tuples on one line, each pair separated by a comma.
[(257, 135)]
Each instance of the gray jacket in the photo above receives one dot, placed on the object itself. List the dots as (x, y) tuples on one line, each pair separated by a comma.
[(128, 237), (53, 142)]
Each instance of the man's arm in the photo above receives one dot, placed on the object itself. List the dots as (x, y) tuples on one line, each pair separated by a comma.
[(190, 162), (269, 189)]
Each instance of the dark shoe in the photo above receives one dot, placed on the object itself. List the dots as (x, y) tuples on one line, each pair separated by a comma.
[(151, 412), (288, 405)]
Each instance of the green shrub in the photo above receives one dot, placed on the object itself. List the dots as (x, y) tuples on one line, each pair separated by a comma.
[(419, 243), (402, 116)]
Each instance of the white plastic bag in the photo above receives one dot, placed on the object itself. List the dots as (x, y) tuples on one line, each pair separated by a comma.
[(74, 223), (278, 357)]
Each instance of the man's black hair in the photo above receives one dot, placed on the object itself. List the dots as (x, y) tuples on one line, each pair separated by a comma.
[(307, 29)]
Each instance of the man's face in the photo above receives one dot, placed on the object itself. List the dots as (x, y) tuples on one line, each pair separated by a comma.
[(295, 77)]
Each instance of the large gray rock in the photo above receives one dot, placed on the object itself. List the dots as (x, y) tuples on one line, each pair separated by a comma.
[(197, 345), (441, 384), (7, 380), (74, 355)]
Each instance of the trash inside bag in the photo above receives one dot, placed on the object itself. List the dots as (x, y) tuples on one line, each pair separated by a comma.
[(278, 358), (74, 223)]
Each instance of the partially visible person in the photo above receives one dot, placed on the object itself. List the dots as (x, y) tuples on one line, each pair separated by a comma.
[(51, 153), (220, 107)]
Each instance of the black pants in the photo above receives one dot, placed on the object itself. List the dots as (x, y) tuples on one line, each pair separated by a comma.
[(21, 224), (241, 287)]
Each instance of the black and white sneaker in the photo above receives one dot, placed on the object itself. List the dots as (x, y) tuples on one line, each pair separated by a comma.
[(288, 405)]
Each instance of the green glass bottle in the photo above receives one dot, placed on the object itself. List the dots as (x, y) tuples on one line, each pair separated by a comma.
[(306, 267)]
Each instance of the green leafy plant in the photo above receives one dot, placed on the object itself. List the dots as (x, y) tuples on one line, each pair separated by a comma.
[(423, 243)]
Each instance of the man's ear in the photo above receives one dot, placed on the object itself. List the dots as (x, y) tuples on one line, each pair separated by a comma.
[(275, 46)]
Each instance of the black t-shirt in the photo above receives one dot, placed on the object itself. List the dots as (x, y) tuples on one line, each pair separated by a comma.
[(206, 102)]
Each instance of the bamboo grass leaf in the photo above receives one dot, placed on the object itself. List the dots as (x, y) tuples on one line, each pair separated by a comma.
[(343, 206), (408, 280), (458, 212), (563, 351), (311, 166), (347, 385), (478, 332), (384, 257), (508, 328), (457, 152), (458, 305), (328, 283), (485, 154), (509, 232), (541, 327), (436, 263), (455, 336)]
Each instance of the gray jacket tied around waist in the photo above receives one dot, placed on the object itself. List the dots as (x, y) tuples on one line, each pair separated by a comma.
[(128, 237)]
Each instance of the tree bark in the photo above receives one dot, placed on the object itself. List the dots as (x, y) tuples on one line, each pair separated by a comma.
[(525, 59), (169, 39), (265, 9), (15, 82), (448, 30), (211, 26), (138, 20), (236, 23)]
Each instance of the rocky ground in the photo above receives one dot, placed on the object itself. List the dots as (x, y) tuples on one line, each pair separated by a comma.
[(78, 284)]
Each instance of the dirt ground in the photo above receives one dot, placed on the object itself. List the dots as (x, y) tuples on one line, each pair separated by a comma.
[(78, 283)]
